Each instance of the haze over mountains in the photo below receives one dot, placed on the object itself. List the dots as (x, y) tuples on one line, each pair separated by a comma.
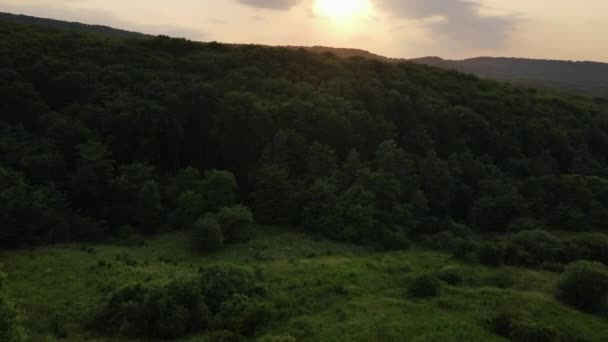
[(586, 78), (582, 77)]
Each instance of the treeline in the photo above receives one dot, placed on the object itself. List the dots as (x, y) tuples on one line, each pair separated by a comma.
[(102, 137)]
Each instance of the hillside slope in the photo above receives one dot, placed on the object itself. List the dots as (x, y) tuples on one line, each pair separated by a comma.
[(65, 25)]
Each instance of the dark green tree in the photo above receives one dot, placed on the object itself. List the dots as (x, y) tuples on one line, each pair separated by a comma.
[(351, 170), (321, 160), (207, 234), (273, 199), (420, 204), (149, 207), (190, 205), (390, 158), (90, 183), (237, 223), (219, 189), (320, 213), (356, 206), (188, 179), (500, 203), (125, 190), (277, 151)]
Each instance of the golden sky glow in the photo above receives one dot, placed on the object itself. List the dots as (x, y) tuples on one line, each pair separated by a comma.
[(343, 10), (556, 29)]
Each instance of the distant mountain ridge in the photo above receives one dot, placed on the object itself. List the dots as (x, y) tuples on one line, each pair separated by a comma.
[(581, 77), (588, 78)]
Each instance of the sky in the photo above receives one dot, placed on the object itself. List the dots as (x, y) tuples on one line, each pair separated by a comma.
[(455, 29)]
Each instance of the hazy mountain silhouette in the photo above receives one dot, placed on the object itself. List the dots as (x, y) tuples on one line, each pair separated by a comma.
[(66, 25), (582, 77)]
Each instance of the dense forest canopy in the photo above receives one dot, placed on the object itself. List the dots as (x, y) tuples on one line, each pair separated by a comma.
[(89, 122)]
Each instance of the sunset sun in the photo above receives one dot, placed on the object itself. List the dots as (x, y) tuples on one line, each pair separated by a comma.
[(342, 10)]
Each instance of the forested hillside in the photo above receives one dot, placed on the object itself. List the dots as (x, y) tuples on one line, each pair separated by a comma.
[(105, 138), (584, 78), (87, 121)]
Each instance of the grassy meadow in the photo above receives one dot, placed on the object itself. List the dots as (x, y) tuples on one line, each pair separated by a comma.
[(323, 291)]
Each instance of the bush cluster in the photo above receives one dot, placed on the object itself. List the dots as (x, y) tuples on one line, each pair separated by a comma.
[(217, 299), (520, 327), (232, 224), (424, 286), (155, 311), (531, 248), (584, 285), (452, 275)]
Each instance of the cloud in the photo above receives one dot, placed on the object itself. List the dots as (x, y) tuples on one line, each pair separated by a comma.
[(271, 4), (457, 22)]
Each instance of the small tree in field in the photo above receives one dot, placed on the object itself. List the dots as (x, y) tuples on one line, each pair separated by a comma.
[(207, 234), (236, 222), (584, 285)]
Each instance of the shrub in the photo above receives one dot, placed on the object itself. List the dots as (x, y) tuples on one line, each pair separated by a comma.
[(518, 326), (534, 247), (207, 234), (463, 248), (491, 254), (533, 331), (394, 239), (11, 329), (154, 311), (242, 314), (236, 222), (584, 285), (218, 284), (451, 275), (424, 286), (592, 247), (442, 241)]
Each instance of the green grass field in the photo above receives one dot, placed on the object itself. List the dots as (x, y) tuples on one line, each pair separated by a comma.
[(323, 291)]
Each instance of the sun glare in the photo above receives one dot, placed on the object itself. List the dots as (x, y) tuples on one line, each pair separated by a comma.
[(342, 10)]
